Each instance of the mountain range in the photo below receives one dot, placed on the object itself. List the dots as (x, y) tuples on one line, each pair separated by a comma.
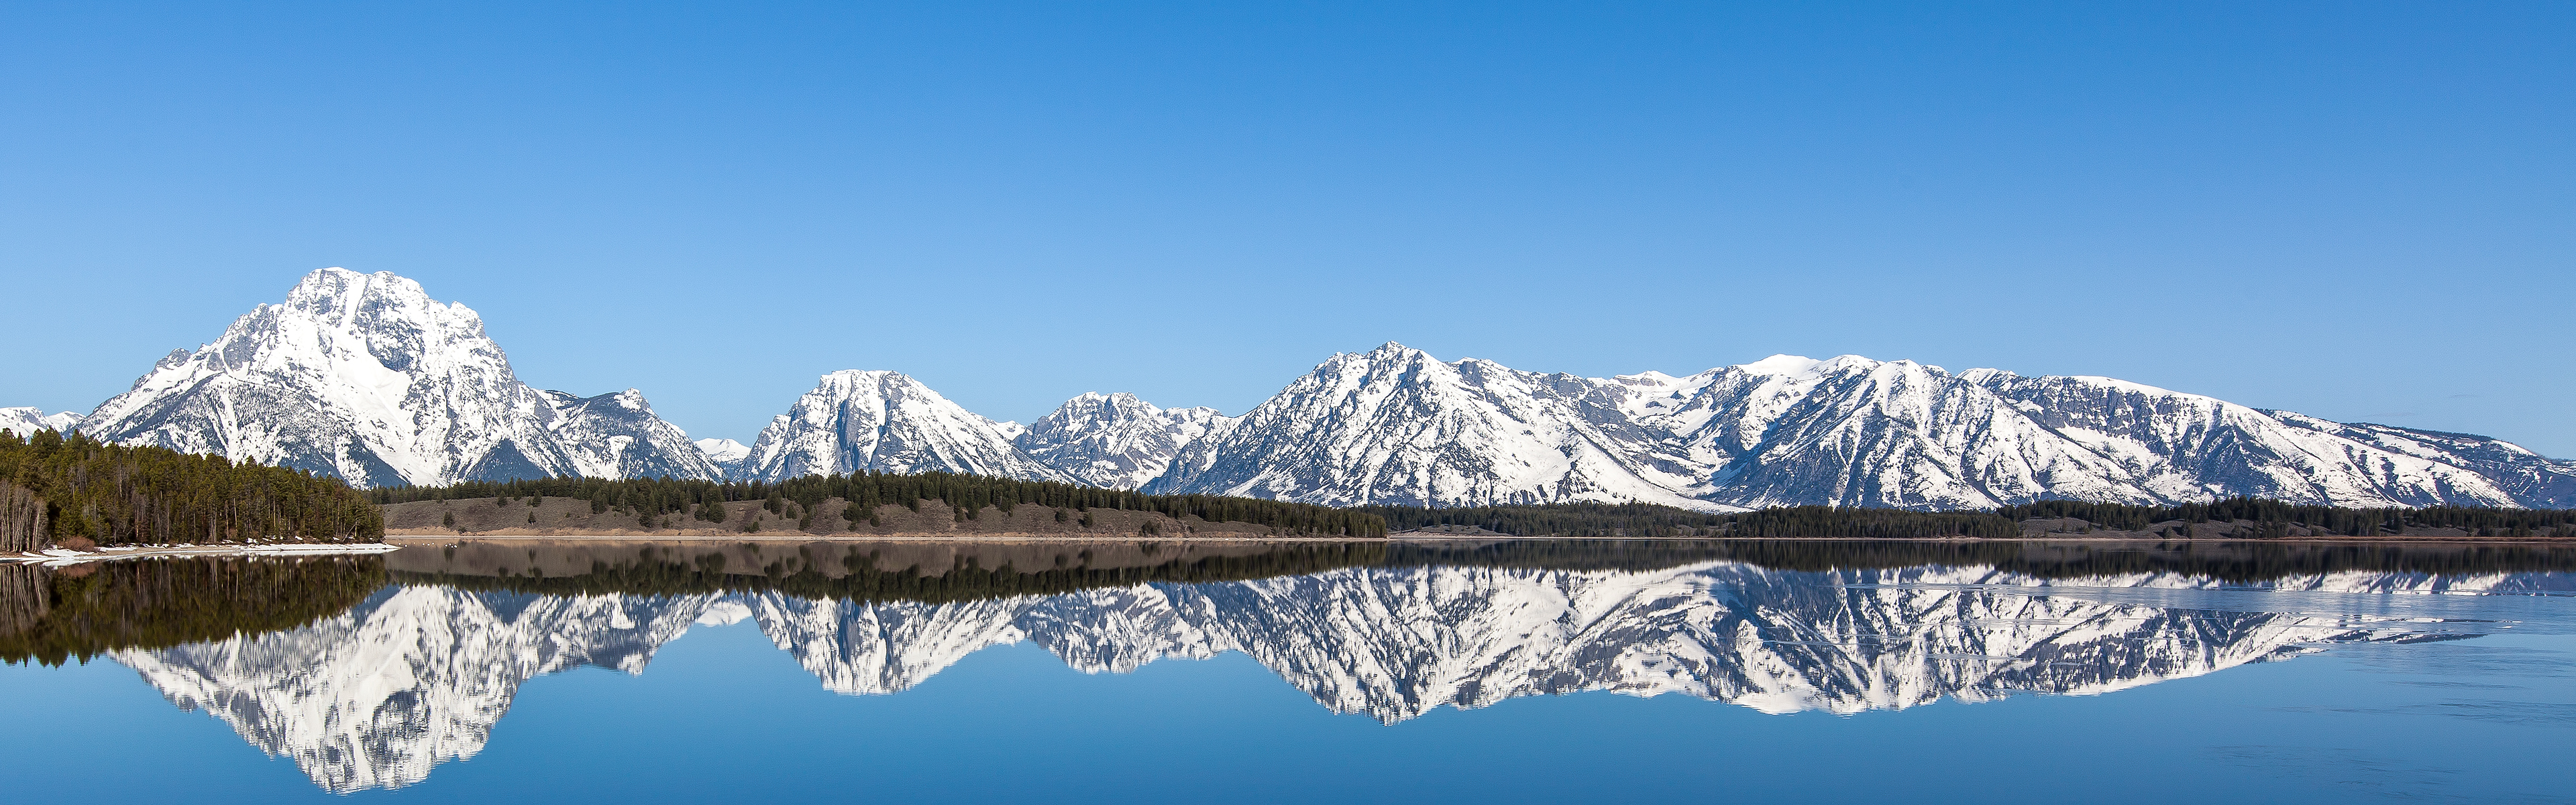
[(366, 378)]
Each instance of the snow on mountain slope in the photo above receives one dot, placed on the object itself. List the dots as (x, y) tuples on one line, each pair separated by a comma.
[(1115, 440), (1853, 431), (26, 420), (858, 421), (1396, 426), (366, 378), (2189, 447), (726, 454), (2532, 480), (618, 436)]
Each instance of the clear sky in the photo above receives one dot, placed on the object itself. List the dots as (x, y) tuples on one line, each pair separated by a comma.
[(2362, 211)]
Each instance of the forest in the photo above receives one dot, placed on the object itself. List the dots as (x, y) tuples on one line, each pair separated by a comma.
[(2358, 522), (965, 495), (2232, 560), (667, 572), (1649, 520), (75, 491), (2264, 518)]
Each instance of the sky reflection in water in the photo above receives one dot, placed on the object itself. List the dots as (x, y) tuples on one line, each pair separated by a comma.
[(1359, 673)]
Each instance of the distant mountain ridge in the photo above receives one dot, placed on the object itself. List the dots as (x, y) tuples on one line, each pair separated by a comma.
[(364, 377), (1395, 425), (1115, 440), (863, 421), (26, 420)]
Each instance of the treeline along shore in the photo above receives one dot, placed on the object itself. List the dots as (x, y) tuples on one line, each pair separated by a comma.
[(78, 492), (2235, 518), (73, 491), (935, 504), (868, 504), (51, 615)]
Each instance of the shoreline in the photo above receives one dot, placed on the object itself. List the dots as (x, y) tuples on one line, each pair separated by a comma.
[(62, 557), (793, 536), (713, 536)]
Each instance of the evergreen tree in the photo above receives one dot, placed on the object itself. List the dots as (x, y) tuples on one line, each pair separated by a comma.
[(58, 489)]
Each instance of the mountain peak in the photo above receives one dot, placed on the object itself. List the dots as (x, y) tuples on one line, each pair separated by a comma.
[(1392, 351), (366, 378), (1391, 427), (342, 292), (1114, 440), (861, 376), (878, 420), (27, 420), (1781, 365)]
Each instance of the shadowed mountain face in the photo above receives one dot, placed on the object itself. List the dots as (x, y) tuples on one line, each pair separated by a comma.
[(419, 673)]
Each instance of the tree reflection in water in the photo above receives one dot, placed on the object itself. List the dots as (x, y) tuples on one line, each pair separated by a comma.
[(370, 671)]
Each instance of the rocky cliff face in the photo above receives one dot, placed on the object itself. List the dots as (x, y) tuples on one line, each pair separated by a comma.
[(366, 378)]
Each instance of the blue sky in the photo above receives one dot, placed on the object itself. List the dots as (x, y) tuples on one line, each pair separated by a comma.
[(2356, 210)]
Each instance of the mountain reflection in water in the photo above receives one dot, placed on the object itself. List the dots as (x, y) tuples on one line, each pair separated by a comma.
[(368, 684)]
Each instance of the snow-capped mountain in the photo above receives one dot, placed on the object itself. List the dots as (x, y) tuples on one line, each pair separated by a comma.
[(859, 421), (618, 436), (26, 420), (366, 378), (419, 675), (1395, 425), (726, 454), (1115, 440)]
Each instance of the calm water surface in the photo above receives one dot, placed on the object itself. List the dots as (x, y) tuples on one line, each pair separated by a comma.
[(1531, 671)]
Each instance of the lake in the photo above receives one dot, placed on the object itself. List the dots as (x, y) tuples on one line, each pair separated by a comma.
[(1182, 671)]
